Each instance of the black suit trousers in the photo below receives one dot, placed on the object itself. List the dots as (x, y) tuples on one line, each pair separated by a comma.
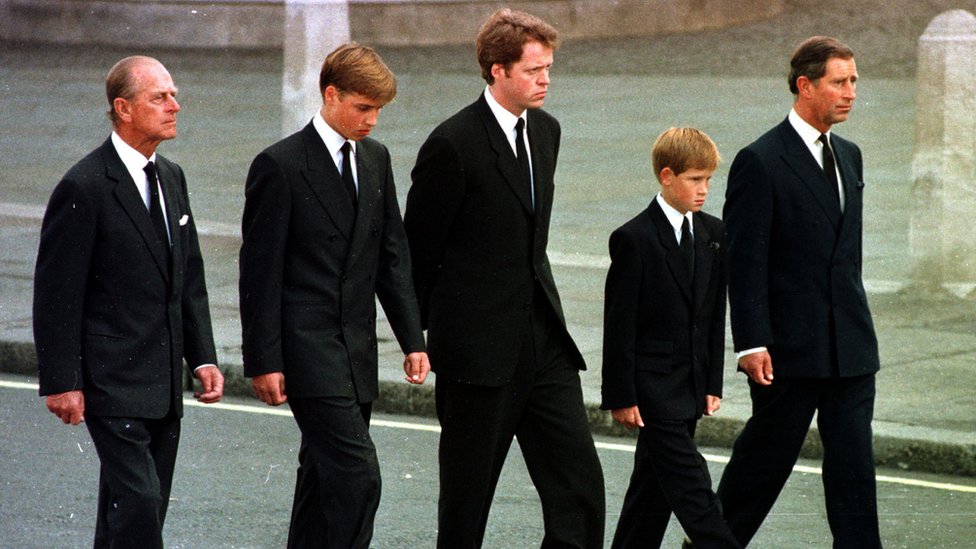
[(337, 489), (137, 458), (543, 407), (765, 452), (670, 476)]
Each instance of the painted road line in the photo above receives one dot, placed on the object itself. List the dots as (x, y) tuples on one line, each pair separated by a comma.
[(271, 411)]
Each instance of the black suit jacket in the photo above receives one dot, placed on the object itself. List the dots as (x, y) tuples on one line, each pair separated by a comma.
[(664, 333), (109, 318), (795, 261), (478, 245), (311, 269)]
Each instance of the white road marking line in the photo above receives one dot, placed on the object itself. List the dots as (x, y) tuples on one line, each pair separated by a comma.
[(269, 411)]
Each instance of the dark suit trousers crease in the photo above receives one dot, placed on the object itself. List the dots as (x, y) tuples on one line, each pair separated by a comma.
[(543, 407), (337, 489), (137, 460), (670, 475), (765, 452)]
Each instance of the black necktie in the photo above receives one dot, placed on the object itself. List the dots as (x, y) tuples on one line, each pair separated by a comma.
[(523, 156), (830, 169), (347, 180), (155, 210), (687, 245)]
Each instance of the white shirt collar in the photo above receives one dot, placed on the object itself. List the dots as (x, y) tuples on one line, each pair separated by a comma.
[(333, 141), (133, 159), (505, 118), (675, 218), (134, 163), (808, 133)]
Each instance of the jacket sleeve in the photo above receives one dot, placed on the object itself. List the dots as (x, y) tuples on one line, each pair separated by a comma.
[(60, 281), (748, 216), (267, 210), (432, 203), (198, 341), (394, 283), (716, 332), (621, 300)]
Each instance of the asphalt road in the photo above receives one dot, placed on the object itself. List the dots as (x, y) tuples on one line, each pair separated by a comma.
[(236, 471)]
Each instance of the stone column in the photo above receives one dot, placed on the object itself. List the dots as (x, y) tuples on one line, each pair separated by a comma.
[(942, 233), (313, 28)]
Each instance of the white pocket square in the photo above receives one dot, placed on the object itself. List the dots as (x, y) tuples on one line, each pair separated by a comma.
[(184, 220)]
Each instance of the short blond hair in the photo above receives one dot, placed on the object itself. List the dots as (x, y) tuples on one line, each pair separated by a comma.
[(683, 149), (358, 69)]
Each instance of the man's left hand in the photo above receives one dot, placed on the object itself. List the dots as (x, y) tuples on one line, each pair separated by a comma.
[(212, 381), (712, 404), (416, 366)]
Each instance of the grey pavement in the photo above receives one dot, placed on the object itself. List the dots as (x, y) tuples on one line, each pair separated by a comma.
[(52, 114), (235, 478)]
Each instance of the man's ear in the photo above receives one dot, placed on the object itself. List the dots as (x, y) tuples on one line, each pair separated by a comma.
[(330, 96), (666, 176), (498, 70), (803, 85), (121, 108)]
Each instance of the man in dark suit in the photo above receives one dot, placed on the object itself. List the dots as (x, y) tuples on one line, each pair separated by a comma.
[(478, 221), (323, 237), (120, 301), (664, 345), (793, 212)]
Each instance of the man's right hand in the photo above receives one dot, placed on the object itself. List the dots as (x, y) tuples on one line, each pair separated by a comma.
[(628, 417), (270, 388), (758, 366), (69, 406)]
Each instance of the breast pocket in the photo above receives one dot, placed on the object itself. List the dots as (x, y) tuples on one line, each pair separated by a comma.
[(655, 356)]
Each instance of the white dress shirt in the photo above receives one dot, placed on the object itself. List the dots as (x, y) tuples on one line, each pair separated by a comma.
[(811, 138), (675, 218), (507, 121), (134, 163), (333, 141)]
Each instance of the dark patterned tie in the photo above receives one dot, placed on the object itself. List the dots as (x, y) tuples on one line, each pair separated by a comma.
[(347, 180), (830, 168), (523, 156), (687, 245), (155, 210)]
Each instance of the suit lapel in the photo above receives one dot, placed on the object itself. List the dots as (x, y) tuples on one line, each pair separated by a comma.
[(673, 256), (131, 202), (542, 150), (505, 159), (704, 257), (322, 175), (169, 181), (844, 157), (368, 194), (797, 157)]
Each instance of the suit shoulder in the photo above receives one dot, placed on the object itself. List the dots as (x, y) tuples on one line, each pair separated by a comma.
[(634, 229), (539, 116), (374, 148), (90, 170), (711, 220), (459, 123), (284, 147)]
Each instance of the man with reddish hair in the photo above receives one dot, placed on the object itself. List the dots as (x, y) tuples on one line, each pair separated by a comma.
[(477, 219)]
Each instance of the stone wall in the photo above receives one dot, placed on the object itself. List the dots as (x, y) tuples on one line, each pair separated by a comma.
[(260, 23)]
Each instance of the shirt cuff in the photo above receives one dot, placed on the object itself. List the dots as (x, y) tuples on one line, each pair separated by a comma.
[(204, 366), (751, 351)]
